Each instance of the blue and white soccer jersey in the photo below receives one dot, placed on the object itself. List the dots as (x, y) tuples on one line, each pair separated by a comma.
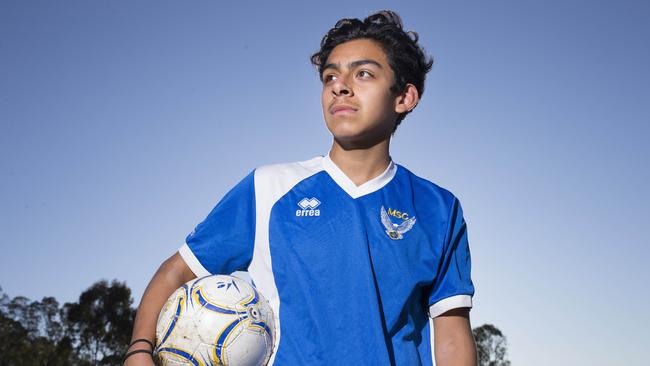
[(352, 272)]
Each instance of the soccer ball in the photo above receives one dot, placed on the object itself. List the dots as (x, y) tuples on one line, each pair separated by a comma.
[(215, 320)]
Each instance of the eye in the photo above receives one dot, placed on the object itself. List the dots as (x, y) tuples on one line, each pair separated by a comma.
[(364, 74), (329, 77)]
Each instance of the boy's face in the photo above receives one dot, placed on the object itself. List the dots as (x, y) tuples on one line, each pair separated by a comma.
[(358, 105)]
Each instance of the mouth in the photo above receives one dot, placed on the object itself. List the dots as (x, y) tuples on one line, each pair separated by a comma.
[(342, 109)]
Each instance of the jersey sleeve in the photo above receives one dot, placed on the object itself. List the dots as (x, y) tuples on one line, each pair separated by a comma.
[(453, 286), (223, 243)]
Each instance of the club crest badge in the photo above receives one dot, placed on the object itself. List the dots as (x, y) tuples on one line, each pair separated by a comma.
[(396, 231)]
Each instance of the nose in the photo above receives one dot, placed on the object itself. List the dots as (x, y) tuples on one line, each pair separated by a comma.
[(341, 88)]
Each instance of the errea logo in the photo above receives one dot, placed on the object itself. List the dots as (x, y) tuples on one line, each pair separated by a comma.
[(308, 207)]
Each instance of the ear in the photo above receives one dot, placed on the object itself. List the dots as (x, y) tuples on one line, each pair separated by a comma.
[(407, 100)]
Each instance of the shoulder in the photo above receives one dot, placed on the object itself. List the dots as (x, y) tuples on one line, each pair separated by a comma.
[(427, 190), (433, 203), (277, 179), (284, 170), (289, 171)]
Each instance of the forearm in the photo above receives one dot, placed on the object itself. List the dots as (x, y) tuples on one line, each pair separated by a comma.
[(171, 275), (461, 352), (454, 343)]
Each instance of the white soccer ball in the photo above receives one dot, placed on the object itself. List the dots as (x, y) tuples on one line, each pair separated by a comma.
[(215, 320)]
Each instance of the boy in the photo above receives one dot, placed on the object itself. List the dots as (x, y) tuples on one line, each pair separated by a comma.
[(353, 251)]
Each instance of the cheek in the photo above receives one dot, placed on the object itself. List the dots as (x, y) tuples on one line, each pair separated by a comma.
[(325, 99), (382, 102)]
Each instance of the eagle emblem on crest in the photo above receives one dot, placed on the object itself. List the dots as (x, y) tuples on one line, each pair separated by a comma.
[(395, 231)]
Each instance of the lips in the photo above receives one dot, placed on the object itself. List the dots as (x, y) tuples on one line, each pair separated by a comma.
[(342, 108)]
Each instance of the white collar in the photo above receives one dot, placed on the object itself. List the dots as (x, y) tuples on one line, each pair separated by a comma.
[(352, 189)]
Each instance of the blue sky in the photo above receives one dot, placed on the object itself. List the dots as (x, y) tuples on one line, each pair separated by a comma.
[(122, 123)]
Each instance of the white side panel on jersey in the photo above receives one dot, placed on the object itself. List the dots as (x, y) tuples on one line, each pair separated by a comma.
[(272, 183)]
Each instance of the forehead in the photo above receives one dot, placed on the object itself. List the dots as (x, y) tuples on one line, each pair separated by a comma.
[(358, 49)]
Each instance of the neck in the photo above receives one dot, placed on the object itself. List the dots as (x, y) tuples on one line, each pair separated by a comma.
[(361, 165)]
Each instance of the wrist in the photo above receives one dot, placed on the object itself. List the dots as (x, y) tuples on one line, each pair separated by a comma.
[(142, 342), (138, 359), (139, 349), (138, 346)]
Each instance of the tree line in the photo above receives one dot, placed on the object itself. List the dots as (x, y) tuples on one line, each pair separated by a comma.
[(96, 329)]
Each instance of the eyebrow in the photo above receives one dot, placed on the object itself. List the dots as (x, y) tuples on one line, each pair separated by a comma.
[(353, 64)]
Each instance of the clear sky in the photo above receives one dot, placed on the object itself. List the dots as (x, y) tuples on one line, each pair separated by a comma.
[(122, 123)]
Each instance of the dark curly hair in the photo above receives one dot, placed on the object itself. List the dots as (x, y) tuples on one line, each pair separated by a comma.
[(405, 57)]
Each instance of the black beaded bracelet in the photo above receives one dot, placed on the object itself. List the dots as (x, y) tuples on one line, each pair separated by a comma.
[(142, 340), (134, 352)]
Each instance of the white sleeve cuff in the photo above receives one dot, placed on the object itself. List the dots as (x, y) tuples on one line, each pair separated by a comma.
[(192, 262), (453, 302)]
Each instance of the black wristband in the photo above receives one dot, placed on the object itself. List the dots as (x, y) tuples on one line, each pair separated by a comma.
[(134, 352), (142, 340)]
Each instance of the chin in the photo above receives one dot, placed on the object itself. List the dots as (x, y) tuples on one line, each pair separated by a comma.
[(358, 139), (343, 130), (353, 133)]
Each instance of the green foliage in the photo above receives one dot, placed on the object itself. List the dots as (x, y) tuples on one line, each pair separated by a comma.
[(93, 331), (14, 342), (31, 333), (101, 322), (491, 346)]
